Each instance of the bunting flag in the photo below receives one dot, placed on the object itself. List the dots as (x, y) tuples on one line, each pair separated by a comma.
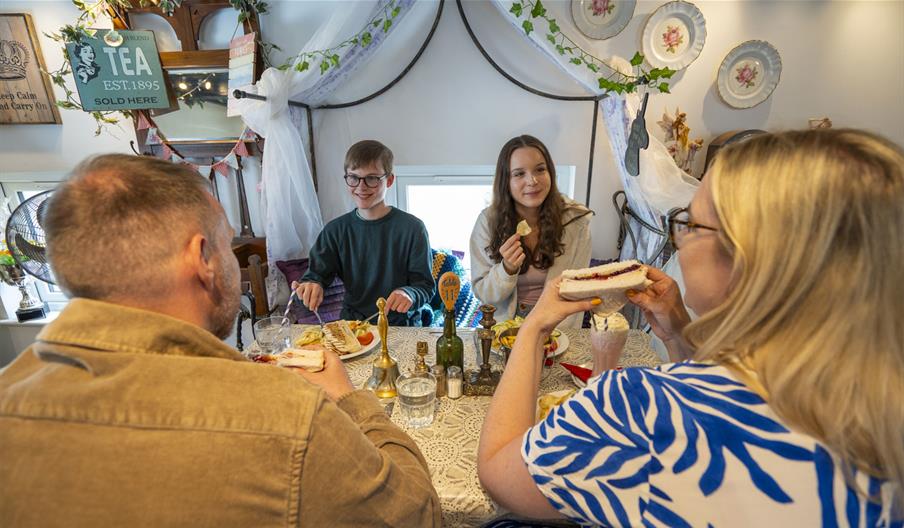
[(153, 138), (231, 160), (143, 123)]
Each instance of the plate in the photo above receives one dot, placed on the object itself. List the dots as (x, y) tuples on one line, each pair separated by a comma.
[(563, 346), (749, 74), (602, 19), (557, 394), (373, 344), (674, 35), (367, 348)]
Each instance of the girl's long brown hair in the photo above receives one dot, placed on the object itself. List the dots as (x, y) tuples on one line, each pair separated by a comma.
[(503, 217)]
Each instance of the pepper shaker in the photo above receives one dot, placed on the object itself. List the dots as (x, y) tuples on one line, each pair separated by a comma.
[(439, 372)]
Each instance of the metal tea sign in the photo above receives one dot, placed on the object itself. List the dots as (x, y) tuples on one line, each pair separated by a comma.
[(127, 76)]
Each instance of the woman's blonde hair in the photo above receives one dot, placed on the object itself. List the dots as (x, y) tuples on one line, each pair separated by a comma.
[(814, 221)]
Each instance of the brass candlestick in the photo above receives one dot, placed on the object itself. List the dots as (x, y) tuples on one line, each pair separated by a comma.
[(483, 382), (386, 369), (420, 362)]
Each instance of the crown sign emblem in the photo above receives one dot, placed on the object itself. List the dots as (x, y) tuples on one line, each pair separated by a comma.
[(13, 60)]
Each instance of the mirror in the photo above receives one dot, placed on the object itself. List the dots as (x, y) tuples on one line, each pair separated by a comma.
[(202, 107)]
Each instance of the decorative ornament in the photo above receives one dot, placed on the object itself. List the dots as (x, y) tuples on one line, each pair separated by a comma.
[(677, 133), (602, 19), (749, 74), (638, 139), (819, 122), (674, 35)]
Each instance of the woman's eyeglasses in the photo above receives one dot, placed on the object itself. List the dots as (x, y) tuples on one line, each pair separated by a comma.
[(680, 224), (353, 180)]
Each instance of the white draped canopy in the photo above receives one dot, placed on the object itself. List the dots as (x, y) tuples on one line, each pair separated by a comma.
[(289, 203)]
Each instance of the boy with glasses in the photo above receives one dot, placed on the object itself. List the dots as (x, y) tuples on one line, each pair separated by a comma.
[(377, 250)]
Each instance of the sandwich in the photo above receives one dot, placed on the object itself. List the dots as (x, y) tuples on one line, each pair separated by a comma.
[(309, 357), (609, 282), (339, 336), (523, 228)]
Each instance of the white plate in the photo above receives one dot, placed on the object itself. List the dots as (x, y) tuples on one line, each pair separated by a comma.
[(373, 344), (674, 35), (563, 346), (749, 74), (602, 19)]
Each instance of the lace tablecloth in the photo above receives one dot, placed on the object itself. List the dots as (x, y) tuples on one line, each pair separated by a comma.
[(450, 443)]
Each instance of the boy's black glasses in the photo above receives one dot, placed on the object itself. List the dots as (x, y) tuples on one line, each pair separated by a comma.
[(369, 181)]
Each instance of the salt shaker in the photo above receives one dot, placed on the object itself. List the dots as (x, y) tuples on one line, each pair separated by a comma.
[(455, 382), (439, 372)]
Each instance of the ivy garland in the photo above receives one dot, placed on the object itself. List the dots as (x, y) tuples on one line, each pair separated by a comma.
[(613, 81), (90, 11), (329, 58)]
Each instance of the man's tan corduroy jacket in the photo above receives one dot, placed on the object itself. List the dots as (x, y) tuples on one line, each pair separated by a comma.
[(123, 417)]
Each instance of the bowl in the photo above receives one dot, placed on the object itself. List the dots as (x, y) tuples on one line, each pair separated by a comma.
[(506, 350)]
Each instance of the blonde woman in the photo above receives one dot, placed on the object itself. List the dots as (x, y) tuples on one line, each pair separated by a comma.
[(791, 412)]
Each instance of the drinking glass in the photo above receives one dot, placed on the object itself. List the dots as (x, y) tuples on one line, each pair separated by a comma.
[(417, 397), (272, 334)]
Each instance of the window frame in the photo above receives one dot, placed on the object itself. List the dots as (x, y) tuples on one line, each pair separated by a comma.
[(13, 183), (406, 175), (442, 175)]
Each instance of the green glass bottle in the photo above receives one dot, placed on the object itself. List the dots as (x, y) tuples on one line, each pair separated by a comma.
[(450, 350)]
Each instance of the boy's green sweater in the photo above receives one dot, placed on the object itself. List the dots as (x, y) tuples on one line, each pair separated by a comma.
[(373, 258)]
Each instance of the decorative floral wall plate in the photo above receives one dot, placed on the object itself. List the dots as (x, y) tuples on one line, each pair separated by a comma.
[(674, 35), (749, 74), (602, 19)]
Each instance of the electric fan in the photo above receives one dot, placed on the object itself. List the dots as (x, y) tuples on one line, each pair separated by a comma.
[(27, 246)]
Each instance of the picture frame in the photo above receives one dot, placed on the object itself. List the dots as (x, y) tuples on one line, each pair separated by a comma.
[(26, 93)]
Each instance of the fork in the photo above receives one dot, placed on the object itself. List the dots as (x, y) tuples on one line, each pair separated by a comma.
[(294, 297)]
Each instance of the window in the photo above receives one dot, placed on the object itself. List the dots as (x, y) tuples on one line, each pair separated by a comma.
[(449, 199), (18, 187)]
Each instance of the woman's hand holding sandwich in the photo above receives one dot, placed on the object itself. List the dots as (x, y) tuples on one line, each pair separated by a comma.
[(665, 311)]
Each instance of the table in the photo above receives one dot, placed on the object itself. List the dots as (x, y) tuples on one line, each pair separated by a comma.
[(450, 443)]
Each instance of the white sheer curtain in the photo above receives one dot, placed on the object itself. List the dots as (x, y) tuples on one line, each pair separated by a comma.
[(289, 204), (661, 185)]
